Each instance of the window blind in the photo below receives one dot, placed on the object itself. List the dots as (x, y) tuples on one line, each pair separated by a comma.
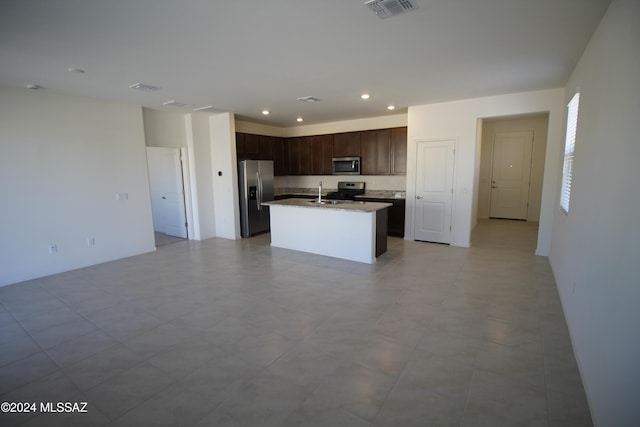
[(569, 149)]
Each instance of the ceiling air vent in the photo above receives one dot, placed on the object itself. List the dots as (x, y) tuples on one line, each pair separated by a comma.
[(387, 8), (144, 87), (174, 104), (209, 109), (309, 99)]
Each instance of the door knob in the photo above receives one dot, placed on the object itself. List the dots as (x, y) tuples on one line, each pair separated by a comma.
[(493, 186), (418, 197), (163, 197)]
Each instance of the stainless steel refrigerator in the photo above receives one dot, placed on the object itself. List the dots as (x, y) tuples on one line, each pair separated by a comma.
[(255, 178)]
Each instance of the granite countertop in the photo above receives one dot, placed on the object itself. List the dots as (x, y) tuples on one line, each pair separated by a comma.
[(369, 194), (339, 204), (383, 194)]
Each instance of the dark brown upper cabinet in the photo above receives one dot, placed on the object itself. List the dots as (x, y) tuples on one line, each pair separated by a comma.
[(399, 151), (280, 156), (240, 137), (299, 155), (383, 151), (294, 155), (265, 148), (375, 149), (247, 146), (305, 155), (252, 145), (368, 152), (321, 147), (346, 144), (262, 147)]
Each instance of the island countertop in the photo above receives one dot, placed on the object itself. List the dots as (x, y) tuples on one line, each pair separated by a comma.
[(357, 206), (352, 230), (313, 192)]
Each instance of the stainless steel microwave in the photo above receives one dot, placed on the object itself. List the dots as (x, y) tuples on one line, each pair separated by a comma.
[(346, 165)]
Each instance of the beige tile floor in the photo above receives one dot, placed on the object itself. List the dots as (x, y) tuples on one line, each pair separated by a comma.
[(164, 239), (235, 333)]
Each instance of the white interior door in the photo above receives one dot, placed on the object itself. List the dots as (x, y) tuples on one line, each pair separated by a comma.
[(434, 190), (167, 191), (510, 174)]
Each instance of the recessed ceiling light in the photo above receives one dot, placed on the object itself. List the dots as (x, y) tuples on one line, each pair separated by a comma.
[(265, 112), (391, 107), (75, 70), (144, 87), (365, 96), (299, 119)]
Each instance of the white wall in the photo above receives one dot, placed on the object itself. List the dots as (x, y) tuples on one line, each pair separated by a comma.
[(193, 131), (225, 175), (595, 249), (174, 130), (259, 129), (380, 122), (210, 139), (202, 186), (62, 162), (164, 128), (458, 120)]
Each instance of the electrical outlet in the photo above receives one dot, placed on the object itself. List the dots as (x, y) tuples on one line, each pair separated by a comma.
[(122, 196), (91, 241), (53, 248)]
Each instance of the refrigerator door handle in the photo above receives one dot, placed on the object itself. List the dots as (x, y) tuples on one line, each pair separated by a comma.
[(259, 195)]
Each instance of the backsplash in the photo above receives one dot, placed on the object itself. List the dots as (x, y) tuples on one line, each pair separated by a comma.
[(278, 191), (397, 183), (385, 194), (308, 191)]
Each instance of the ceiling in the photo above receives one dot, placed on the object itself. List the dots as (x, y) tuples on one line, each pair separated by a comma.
[(246, 56)]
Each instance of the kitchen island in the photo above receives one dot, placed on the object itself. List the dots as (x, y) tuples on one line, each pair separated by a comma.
[(356, 231)]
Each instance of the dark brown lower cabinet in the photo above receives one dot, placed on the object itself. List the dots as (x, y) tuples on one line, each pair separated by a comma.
[(395, 226), (381, 231)]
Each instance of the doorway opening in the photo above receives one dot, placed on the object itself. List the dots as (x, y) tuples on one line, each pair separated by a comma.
[(162, 239), (505, 234), (166, 183), (511, 173)]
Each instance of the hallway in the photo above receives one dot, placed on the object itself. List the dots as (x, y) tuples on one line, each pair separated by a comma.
[(505, 234)]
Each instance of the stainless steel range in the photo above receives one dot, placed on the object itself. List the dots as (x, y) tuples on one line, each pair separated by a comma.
[(347, 190)]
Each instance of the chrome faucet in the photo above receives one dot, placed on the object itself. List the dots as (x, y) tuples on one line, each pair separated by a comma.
[(320, 192)]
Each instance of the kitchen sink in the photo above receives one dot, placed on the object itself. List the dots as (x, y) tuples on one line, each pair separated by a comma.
[(328, 202)]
